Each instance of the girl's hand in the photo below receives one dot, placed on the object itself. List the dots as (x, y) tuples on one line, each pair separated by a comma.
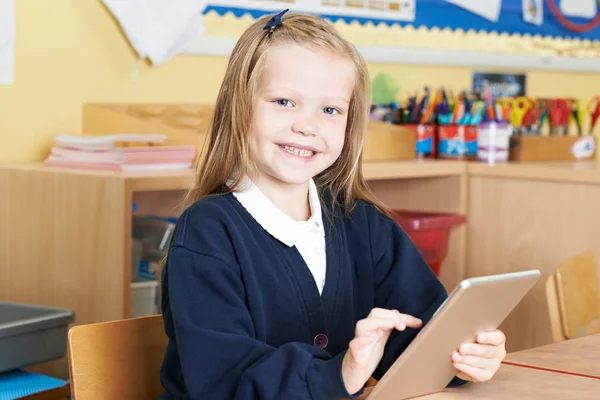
[(366, 349), (479, 361)]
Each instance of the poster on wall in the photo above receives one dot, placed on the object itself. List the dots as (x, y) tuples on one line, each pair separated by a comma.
[(399, 10), (501, 85), (533, 12)]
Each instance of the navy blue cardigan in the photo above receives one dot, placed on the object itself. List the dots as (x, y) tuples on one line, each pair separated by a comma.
[(244, 316)]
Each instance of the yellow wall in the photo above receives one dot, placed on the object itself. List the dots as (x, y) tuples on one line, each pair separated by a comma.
[(70, 52)]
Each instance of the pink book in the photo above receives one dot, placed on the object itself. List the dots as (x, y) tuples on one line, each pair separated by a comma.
[(129, 155), (55, 162)]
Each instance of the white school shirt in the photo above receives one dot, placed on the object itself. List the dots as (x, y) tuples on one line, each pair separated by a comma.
[(307, 236)]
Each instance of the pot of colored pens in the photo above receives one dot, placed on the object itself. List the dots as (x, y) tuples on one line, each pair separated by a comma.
[(458, 128)]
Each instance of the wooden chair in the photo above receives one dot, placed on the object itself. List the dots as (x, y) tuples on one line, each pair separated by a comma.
[(117, 360), (120, 359), (573, 301)]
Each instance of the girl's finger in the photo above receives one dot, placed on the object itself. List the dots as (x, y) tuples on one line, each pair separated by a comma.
[(479, 350), (476, 374), (495, 338), (464, 377), (401, 319), (369, 325), (365, 340), (477, 362)]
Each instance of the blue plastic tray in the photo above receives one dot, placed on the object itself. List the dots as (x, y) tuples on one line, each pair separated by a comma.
[(31, 335)]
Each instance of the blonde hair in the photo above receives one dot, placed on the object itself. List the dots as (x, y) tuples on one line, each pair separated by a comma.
[(226, 149)]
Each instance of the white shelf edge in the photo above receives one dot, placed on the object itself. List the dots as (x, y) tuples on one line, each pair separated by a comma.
[(222, 46)]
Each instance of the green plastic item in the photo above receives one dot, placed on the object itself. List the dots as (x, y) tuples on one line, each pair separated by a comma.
[(384, 89)]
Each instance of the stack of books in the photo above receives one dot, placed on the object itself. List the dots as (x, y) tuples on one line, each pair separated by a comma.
[(121, 152)]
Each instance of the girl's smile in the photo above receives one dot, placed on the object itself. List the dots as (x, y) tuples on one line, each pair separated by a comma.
[(299, 151)]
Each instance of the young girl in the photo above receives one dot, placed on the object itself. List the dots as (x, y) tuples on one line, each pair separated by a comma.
[(285, 278)]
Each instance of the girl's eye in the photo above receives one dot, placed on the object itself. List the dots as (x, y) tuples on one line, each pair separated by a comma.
[(283, 102), (330, 111)]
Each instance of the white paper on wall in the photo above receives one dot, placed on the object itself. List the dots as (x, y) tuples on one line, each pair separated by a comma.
[(7, 41), (159, 29), (533, 11), (489, 9), (579, 8)]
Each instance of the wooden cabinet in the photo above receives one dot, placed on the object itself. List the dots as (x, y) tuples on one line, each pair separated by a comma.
[(531, 216), (65, 234)]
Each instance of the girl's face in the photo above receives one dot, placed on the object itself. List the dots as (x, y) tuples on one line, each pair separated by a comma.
[(300, 112)]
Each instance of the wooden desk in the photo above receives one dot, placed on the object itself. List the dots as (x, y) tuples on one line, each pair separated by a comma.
[(523, 383), (577, 356), (520, 383)]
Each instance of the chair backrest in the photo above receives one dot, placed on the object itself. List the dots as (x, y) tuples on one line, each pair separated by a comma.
[(117, 360), (573, 301)]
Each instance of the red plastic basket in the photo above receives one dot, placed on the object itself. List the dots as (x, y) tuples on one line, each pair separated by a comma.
[(430, 232)]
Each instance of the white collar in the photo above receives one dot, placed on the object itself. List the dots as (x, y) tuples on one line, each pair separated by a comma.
[(272, 219)]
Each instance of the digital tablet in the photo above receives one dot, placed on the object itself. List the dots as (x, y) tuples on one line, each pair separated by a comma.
[(476, 305)]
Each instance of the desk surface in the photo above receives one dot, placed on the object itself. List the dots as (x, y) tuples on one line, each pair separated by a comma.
[(521, 381), (524, 383), (513, 382), (578, 356)]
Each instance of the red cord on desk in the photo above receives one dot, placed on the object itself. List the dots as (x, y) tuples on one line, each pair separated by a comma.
[(558, 371), (570, 25)]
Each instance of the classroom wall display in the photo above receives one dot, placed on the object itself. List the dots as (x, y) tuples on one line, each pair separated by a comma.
[(479, 15), (392, 10)]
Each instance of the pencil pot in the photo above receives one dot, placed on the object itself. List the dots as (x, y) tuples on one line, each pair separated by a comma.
[(425, 146), (493, 142), (457, 141), (430, 233)]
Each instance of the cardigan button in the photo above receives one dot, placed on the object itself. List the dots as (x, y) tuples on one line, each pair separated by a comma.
[(321, 341)]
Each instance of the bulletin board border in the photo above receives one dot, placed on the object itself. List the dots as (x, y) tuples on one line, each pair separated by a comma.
[(520, 60), (441, 14)]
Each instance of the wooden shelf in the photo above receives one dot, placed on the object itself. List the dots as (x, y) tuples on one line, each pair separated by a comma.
[(182, 180), (412, 169), (574, 172)]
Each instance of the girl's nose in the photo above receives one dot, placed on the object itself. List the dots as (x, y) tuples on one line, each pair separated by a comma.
[(304, 124)]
